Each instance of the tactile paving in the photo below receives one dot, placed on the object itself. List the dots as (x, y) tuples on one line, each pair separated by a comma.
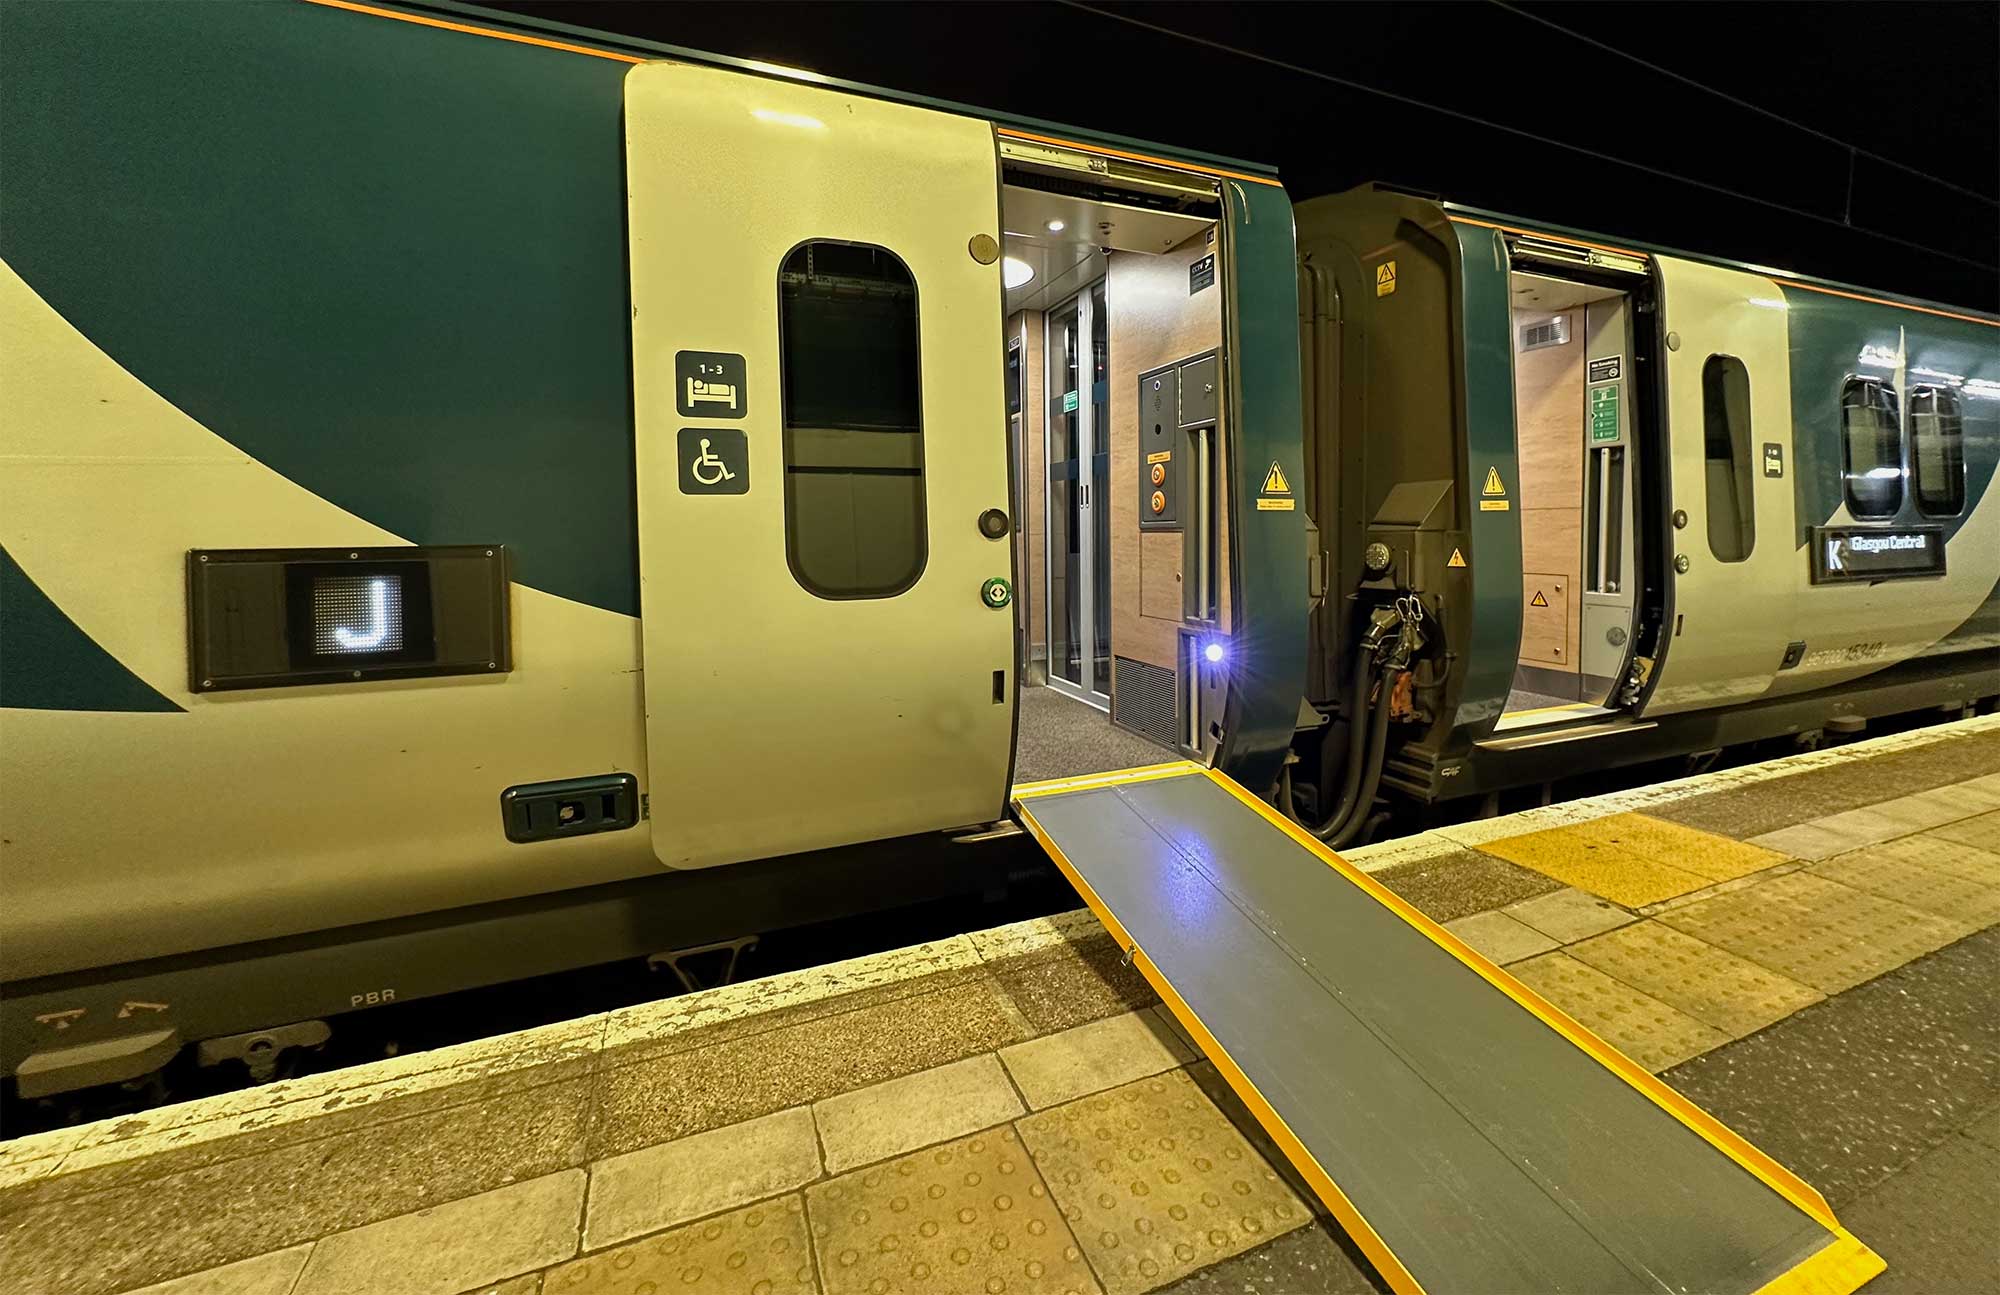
[(1712, 985), (1943, 877), (970, 1216), (1642, 1027), (1156, 1183), (1816, 931), (759, 1250), (1633, 859)]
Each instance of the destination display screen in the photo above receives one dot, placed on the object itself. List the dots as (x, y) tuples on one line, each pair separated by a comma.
[(1848, 553)]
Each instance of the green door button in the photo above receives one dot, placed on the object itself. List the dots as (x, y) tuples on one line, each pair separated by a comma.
[(996, 592)]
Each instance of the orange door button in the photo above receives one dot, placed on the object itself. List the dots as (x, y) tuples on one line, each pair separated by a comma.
[(1159, 473), (1159, 501)]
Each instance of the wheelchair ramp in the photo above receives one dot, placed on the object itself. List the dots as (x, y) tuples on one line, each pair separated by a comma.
[(1469, 1136)]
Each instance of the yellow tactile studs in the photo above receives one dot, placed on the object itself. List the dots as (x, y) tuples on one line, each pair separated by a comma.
[(1633, 859), (1816, 931), (1712, 985), (970, 1216), (760, 1250), (1944, 877), (1642, 1027), (1156, 1183)]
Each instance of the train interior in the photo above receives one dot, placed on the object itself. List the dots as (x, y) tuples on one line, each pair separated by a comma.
[(1113, 335), (1573, 430)]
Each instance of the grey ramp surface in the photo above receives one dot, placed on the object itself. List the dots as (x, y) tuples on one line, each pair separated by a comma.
[(1488, 1152)]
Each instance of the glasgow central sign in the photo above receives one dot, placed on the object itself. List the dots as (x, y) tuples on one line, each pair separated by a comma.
[(1848, 553)]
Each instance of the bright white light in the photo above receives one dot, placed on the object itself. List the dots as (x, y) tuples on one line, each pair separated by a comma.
[(1769, 303), (799, 120), (1882, 357), (1015, 272), (378, 621), (1056, 227), (1212, 653), (1983, 388)]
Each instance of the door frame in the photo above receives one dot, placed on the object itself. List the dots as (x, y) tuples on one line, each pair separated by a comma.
[(1087, 432)]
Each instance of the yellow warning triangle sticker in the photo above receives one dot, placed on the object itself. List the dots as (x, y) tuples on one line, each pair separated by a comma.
[(1493, 486), (1457, 559), (1274, 481), (1538, 600)]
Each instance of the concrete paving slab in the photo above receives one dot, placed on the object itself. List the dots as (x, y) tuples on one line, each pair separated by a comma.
[(758, 1250), (1500, 938), (445, 1250), (1057, 1068), (1849, 1091), (55, 1237), (525, 1284), (1900, 1220), (1982, 831), (1815, 931), (1455, 882), (1569, 914), (1810, 841), (675, 1182), (1072, 983), (1906, 876), (1714, 986), (1638, 1025), (972, 1215), (1986, 1128), (1155, 1183), (1318, 1259), (892, 1118), (268, 1274), (708, 1086)]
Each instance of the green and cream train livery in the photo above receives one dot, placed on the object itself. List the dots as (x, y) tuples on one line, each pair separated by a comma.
[(467, 481)]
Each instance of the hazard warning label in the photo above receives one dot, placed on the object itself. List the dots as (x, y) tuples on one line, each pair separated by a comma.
[(1538, 600), (1385, 278), (1495, 492), (1457, 558), (1276, 495)]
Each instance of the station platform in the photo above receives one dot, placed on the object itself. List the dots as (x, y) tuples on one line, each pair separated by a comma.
[(1803, 949)]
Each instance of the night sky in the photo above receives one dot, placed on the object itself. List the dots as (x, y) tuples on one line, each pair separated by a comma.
[(1859, 142)]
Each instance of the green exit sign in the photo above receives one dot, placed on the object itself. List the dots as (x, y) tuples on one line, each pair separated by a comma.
[(1604, 413)]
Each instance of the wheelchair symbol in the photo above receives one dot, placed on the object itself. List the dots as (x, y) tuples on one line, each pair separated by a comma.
[(708, 467)]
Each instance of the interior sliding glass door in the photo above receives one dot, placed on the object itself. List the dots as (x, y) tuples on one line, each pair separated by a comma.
[(1078, 582)]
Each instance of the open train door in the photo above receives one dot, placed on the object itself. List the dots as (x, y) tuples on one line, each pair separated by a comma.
[(822, 465)]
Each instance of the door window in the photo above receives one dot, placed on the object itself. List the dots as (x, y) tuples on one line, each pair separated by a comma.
[(853, 420), (1725, 415), (1937, 451), (1872, 444)]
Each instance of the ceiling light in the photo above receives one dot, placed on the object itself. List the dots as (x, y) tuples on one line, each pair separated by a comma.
[(1055, 227), (1015, 272)]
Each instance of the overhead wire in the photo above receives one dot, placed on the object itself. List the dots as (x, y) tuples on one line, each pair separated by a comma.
[(1518, 132)]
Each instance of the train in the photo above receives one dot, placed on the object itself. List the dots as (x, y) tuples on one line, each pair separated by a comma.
[(484, 497)]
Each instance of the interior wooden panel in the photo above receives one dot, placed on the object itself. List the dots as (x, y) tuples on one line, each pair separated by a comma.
[(1548, 422), (1546, 633), (1032, 542), (1153, 321), (1160, 576)]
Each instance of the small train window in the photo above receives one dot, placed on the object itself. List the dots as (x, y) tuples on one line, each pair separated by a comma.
[(1871, 437), (1937, 451), (853, 420), (1725, 416)]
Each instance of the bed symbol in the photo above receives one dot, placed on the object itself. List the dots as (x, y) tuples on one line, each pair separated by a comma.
[(711, 393)]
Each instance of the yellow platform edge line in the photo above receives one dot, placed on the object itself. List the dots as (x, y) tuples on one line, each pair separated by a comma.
[(1726, 1140), (1365, 1237), (1838, 1268)]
